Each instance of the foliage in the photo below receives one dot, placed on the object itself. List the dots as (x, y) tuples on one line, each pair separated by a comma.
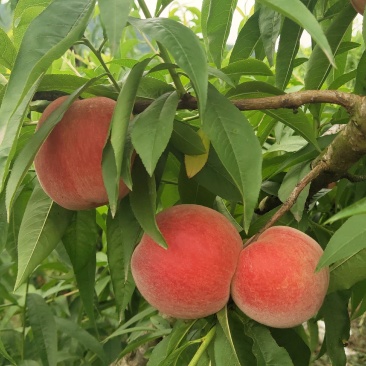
[(67, 296)]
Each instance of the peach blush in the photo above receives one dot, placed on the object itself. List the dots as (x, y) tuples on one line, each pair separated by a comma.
[(191, 279)]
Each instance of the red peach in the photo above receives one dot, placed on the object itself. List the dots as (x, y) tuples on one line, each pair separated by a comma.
[(68, 163), (191, 279), (359, 5), (275, 282)]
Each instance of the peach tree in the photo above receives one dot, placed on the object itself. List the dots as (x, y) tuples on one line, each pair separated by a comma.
[(266, 130)]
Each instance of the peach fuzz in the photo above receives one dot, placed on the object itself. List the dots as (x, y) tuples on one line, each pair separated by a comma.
[(275, 282), (191, 279), (68, 164), (359, 5)]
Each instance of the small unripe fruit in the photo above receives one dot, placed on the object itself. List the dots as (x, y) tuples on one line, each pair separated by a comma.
[(359, 5), (275, 282), (68, 164), (191, 279)]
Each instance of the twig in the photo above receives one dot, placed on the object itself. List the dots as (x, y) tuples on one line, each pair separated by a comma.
[(314, 173)]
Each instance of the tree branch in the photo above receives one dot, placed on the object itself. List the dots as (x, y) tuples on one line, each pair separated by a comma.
[(313, 174)]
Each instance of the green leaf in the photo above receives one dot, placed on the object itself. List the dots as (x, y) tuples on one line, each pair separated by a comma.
[(43, 325), (114, 14), (305, 19), (318, 65), (5, 354), (337, 326), (73, 330), (143, 202), (216, 179), (224, 346), (114, 147), (184, 46), (248, 39), (25, 158), (169, 348), (237, 146), (186, 139), (347, 272), (123, 232), (7, 52), (80, 241), (191, 191), (146, 338), (290, 181), (265, 347), (250, 66), (152, 129), (349, 239), (288, 47), (295, 345), (216, 24), (64, 22), (269, 25), (357, 208), (43, 224), (139, 316)]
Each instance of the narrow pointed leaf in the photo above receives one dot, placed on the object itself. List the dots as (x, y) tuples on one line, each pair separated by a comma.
[(248, 39), (357, 208), (80, 241), (143, 202), (186, 139), (318, 64), (288, 47), (114, 147), (250, 66), (25, 158), (216, 25), (123, 232), (43, 224), (152, 129), (238, 148), (305, 19), (184, 46), (114, 14), (347, 272), (64, 22), (43, 325), (7, 51), (270, 22), (5, 354), (337, 326), (265, 347), (224, 340), (349, 239), (73, 330)]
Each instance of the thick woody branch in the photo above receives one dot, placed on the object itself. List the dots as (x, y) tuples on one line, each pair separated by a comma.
[(291, 100)]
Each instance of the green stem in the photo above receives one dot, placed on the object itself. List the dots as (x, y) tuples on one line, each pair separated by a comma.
[(164, 54), (202, 348), (98, 55), (24, 318)]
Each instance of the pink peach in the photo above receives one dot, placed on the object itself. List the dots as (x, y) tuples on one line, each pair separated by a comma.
[(68, 164), (275, 282), (191, 279)]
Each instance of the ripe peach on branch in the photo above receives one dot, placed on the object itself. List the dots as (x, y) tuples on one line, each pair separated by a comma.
[(69, 163)]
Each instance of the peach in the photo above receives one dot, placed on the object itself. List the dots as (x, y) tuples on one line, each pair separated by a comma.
[(275, 282), (68, 163), (191, 279), (359, 5)]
